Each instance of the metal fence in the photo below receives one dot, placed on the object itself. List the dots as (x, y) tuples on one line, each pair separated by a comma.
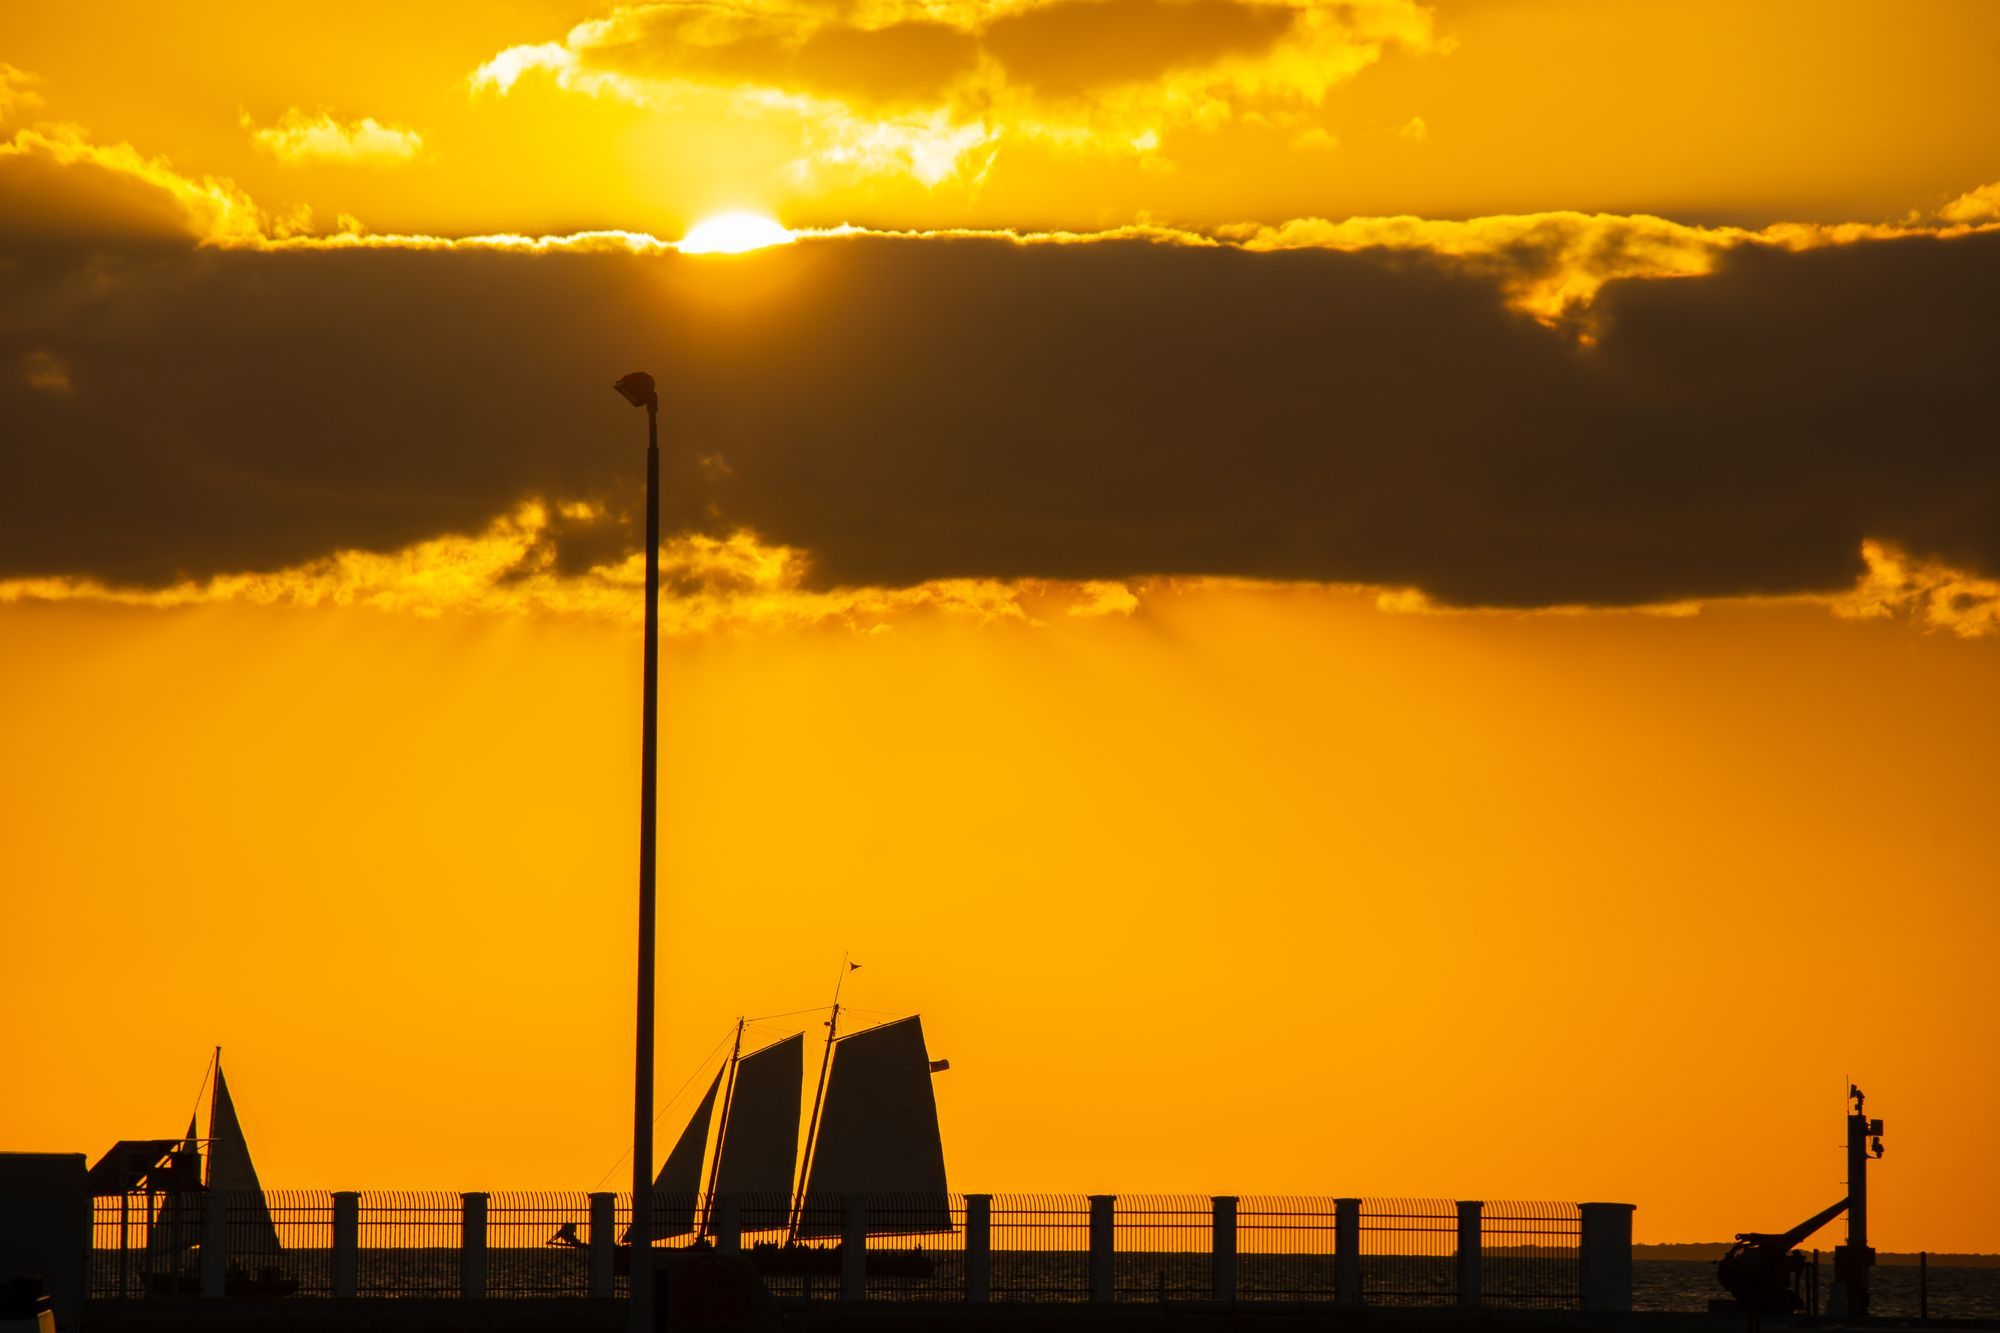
[(519, 1259), (916, 1249), (1409, 1251), (1530, 1254), (1040, 1247), (1286, 1247), (1163, 1247), (1021, 1248), (409, 1243)]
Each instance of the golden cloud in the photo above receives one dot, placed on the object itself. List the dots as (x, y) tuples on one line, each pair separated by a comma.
[(207, 209), (1928, 595), (301, 137), (932, 89), (710, 584), (738, 584), (1980, 205), (1553, 265), (17, 92), (1925, 593), (1550, 265)]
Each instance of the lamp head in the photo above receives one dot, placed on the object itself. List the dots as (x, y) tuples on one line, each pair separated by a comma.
[(637, 389)]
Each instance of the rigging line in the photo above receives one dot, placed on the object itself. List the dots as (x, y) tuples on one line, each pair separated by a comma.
[(769, 1037), (786, 1028), (625, 1156), (207, 1070), (793, 1013)]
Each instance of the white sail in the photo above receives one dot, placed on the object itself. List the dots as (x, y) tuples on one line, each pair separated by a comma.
[(251, 1233), (878, 1135), (760, 1134)]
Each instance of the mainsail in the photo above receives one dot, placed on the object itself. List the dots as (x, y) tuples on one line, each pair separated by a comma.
[(674, 1189), (760, 1134), (878, 1135), (229, 1169)]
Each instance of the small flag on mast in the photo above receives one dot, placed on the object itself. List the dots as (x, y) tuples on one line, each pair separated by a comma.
[(939, 1066)]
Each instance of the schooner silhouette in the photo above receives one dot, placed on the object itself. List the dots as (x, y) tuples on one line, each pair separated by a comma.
[(873, 1132)]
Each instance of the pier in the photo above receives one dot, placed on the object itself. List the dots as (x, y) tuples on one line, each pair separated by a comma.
[(992, 1249)]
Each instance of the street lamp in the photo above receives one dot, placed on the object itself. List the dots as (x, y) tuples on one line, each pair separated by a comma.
[(638, 390)]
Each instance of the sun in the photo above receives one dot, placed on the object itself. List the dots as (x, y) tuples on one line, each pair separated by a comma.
[(732, 234)]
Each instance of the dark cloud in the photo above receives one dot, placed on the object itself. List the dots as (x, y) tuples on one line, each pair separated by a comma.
[(900, 62), (1062, 49), (45, 202), (1076, 45), (895, 63), (909, 409)]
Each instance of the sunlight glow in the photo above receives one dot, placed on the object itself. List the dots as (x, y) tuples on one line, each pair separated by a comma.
[(732, 234)]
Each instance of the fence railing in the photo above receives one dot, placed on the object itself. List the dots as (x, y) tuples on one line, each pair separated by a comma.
[(1152, 1248)]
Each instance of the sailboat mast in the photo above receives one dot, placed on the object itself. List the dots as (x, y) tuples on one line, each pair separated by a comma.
[(819, 1097), (722, 1132), (214, 1086)]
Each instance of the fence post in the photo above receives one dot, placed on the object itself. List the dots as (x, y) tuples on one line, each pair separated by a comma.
[(1471, 1278), (1103, 1243), (853, 1247), (1222, 1249), (346, 1242), (979, 1247), (214, 1242), (729, 1224), (1605, 1256), (603, 1243), (1347, 1250), (472, 1248)]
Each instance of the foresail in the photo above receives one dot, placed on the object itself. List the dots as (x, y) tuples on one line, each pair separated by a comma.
[(760, 1137), (674, 1189), (177, 1226), (230, 1170), (878, 1135)]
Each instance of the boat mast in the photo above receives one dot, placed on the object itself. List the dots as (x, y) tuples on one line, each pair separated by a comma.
[(722, 1131), (214, 1085), (819, 1096)]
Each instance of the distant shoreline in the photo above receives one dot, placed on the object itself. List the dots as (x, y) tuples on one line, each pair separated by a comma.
[(1710, 1250)]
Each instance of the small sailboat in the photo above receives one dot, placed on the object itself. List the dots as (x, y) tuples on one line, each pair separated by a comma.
[(873, 1131), (173, 1175)]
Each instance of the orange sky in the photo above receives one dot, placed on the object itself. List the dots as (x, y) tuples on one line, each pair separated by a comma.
[(1038, 113), (1244, 890), (1141, 755)]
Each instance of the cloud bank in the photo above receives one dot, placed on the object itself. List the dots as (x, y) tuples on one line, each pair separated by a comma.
[(933, 90), (905, 410), (1509, 411)]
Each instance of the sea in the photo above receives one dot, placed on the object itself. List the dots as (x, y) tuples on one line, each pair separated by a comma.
[(1895, 1290), (1683, 1285)]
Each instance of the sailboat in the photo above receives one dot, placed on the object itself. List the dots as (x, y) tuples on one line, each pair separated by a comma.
[(874, 1131), (173, 1175)]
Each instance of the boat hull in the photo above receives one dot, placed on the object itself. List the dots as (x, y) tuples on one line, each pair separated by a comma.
[(799, 1261)]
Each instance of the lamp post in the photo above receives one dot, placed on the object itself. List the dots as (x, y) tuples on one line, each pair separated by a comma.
[(638, 390)]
